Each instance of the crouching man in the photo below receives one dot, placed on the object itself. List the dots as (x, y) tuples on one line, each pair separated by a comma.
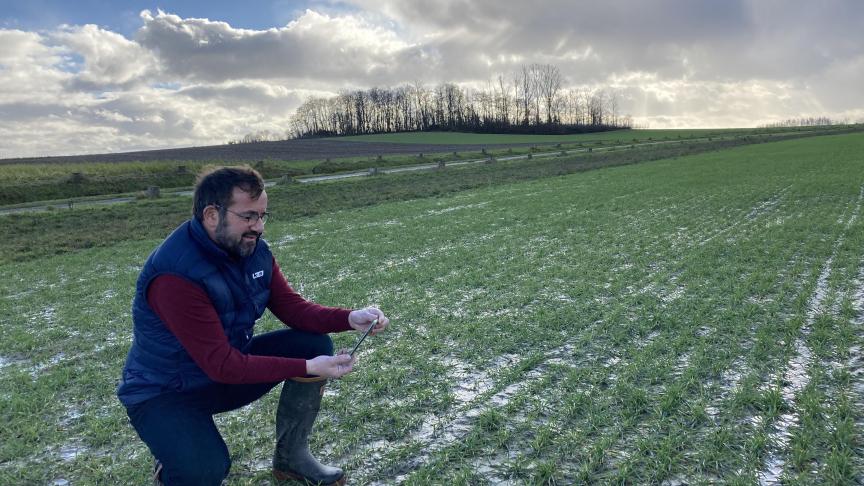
[(194, 355)]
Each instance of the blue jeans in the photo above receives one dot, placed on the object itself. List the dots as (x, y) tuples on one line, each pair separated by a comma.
[(178, 427)]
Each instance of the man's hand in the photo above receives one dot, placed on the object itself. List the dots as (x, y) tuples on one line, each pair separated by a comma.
[(363, 318), (330, 366)]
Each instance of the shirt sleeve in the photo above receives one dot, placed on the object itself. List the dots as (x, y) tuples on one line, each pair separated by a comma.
[(295, 311), (188, 312)]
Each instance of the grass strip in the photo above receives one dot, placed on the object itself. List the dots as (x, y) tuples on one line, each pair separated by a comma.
[(33, 236)]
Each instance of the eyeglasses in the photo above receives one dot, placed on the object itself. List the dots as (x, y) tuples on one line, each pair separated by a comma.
[(251, 217)]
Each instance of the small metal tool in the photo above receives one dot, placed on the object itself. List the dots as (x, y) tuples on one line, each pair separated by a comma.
[(366, 333)]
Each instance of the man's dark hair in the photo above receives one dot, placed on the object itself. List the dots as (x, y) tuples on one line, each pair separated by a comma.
[(215, 185)]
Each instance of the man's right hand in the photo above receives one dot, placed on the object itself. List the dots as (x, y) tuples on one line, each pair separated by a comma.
[(330, 366)]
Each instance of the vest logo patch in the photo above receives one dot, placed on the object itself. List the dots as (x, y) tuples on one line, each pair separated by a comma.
[(258, 274)]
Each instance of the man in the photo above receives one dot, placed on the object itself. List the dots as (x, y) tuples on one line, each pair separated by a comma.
[(194, 355)]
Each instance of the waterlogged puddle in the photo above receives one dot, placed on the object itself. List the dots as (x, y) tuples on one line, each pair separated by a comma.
[(21, 294), (681, 365), (647, 340), (814, 306), (69, 452), (490, 469), (622, 268), (673, 295), (471, 383), (458, 307), (434, 428), (44, 317), (755, 213), (795, 377), (284, 241), (5, 361), (675, 482), (704, 331), (760, 301), (766, 206), (72, 414), (107, 296), (438, 212), (440, 434), (391, 263), (610, 363), (40, 368), (777, 221), (566, 299), (437, 432), (775, 463), (602, 300), (505, 312), (855, 364), (858, 299), (729, 386)]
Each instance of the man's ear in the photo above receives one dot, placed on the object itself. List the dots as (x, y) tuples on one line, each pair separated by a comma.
[(211, 217)]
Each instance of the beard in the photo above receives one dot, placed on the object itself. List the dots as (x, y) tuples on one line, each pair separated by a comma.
[(237, 246)]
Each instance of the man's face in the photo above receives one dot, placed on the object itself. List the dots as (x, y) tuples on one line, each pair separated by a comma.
[(233, 233)]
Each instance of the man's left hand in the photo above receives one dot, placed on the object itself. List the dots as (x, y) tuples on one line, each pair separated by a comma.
[(361, 319)]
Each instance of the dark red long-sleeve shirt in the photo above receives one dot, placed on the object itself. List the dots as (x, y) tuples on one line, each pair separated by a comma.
[(187, 311)]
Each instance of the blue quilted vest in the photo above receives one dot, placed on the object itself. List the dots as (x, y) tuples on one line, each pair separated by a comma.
[(239, 289)]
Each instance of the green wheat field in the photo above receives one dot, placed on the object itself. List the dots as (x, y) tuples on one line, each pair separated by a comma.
[(695, 320)]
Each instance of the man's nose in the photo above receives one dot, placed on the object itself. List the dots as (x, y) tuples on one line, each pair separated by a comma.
[(259, 225)]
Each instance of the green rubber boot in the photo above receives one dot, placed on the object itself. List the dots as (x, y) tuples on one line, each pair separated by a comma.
[(298, 407)]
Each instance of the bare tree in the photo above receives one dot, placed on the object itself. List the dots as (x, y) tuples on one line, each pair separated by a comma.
[(533, 102), (612, 101), (548, 79), (526, 92), (502, 102), (596, 107)]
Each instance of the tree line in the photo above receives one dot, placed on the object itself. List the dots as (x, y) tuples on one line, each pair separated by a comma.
[(812, 121), (532, 100)]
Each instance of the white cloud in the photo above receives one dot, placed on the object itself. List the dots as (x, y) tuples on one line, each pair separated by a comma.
[(334, 50), (109, 58), (84, 90), (29, 67), (188, 81)]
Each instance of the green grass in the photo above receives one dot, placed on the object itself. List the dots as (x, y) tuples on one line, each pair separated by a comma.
[(62, 231), (628, 324), (22, 184)]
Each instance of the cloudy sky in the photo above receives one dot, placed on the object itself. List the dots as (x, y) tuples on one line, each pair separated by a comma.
[(118, 75)]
